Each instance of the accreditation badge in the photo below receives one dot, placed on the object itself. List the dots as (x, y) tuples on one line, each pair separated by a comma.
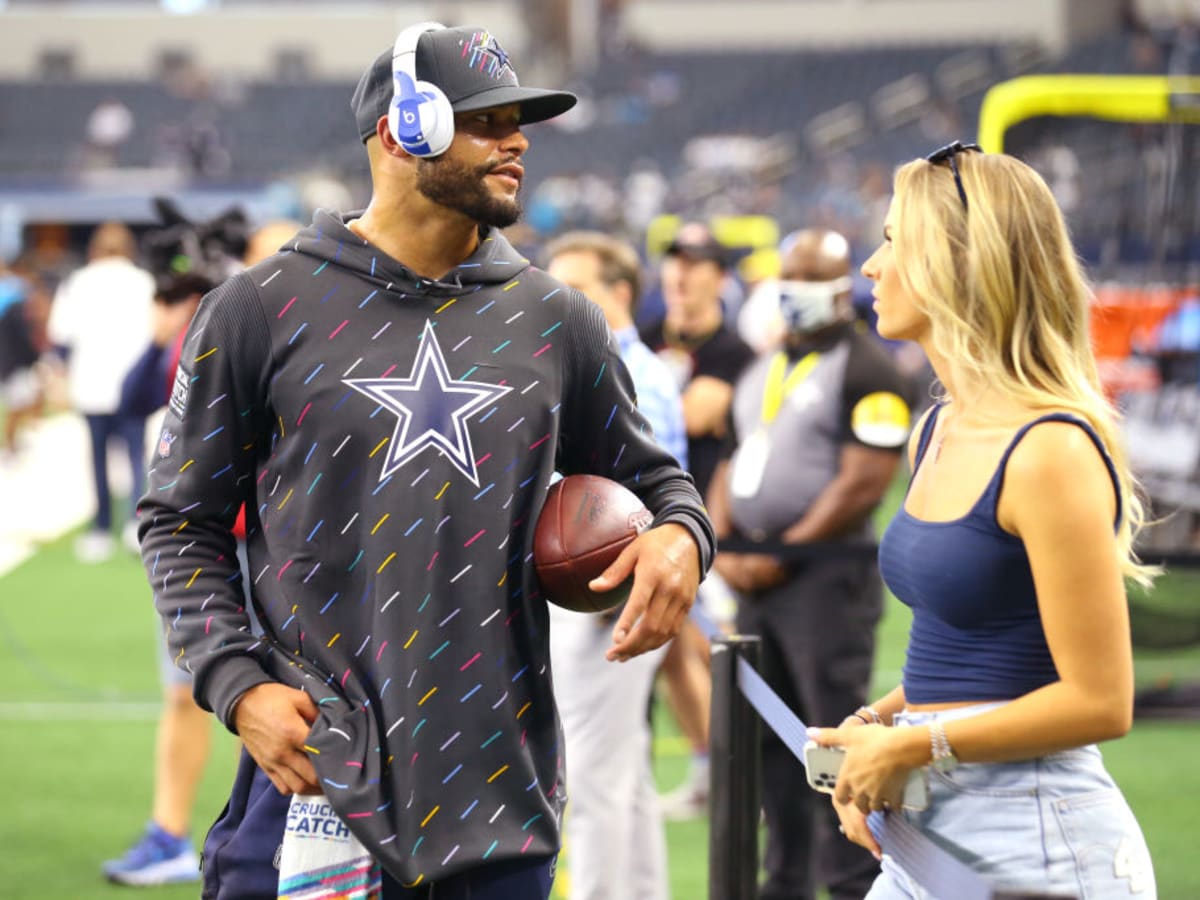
[(749, 463)]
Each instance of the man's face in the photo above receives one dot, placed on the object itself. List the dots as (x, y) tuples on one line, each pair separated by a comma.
[(580, 269), (690, 285), (481, 173)]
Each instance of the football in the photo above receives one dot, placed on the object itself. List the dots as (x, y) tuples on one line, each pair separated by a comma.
[(586, 523)]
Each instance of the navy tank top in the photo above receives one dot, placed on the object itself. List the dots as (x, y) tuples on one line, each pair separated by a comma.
[(976, 632)]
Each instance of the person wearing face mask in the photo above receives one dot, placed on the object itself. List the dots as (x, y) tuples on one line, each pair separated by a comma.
[(815, 436)]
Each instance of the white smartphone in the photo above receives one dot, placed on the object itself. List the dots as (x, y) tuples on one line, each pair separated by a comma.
[(824, 763)]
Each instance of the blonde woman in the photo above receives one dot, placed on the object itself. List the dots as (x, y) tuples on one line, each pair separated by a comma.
[(1011, 547)]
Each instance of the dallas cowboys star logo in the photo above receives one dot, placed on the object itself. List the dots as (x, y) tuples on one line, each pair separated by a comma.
[(483, 52), (431, 409), (493, 49)]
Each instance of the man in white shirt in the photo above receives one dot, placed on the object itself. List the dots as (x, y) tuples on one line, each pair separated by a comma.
[(101, 318)]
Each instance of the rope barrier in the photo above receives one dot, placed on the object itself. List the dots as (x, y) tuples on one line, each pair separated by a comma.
[(935, 867)]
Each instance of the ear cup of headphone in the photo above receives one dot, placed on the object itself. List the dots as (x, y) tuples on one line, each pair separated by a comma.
[(404, 115), (420, 117)]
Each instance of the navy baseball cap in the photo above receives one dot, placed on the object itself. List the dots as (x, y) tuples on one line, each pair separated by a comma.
[(696, 241), (472, 70)]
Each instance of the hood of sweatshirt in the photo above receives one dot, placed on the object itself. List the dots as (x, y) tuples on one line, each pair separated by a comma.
[(329, 240)]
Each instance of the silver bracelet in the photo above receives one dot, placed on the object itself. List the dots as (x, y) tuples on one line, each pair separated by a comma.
[(941, 754), (872, 712)]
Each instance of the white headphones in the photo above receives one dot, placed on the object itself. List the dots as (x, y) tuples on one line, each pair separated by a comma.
[(420, 117)]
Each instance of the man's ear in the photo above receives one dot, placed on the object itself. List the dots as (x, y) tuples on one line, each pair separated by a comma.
[(387, 142)]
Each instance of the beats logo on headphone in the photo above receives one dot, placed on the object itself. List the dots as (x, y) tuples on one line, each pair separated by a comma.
[(420, 117)]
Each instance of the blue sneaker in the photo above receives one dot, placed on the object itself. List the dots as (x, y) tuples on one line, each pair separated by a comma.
[(158, 857)]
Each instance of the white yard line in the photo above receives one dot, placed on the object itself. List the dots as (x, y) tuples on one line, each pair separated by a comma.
[(80, 712)]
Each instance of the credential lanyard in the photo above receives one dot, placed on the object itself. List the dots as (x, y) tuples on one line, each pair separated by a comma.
[(781, 382)]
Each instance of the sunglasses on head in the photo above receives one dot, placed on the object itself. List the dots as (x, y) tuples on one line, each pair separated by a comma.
[(947, 154)]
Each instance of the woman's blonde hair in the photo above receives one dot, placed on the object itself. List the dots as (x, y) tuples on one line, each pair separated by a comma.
[(1006, 297)]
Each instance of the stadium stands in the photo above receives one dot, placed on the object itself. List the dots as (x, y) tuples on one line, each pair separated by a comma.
[(806, 110)]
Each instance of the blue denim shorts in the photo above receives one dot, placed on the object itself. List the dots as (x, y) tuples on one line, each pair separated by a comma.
[(1055, 824)]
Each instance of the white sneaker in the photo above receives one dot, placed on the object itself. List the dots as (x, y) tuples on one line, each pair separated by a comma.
[(689, 800), (94, 547), (129, 536)]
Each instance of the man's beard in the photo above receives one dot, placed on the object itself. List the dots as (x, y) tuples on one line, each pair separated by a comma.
[(463, 189)]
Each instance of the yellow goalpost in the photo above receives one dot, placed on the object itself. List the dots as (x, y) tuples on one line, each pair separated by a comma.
[(1121, 98)]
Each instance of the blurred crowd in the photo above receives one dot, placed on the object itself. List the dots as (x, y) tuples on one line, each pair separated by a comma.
[(27, 375), (34, 366)]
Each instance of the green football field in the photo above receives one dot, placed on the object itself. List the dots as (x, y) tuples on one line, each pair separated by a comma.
[(78, 700)]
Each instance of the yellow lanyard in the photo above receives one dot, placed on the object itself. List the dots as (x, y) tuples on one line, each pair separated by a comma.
[(781, 383)]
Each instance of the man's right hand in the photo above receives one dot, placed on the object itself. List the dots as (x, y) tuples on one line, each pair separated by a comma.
[(273, 721)]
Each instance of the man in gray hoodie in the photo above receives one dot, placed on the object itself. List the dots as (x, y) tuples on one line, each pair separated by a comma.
[(389, 396)]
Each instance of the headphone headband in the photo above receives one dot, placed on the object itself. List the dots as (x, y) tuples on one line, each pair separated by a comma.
[(404, 52)]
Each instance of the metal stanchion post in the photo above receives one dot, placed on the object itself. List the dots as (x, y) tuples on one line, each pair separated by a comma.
[(735, 761)]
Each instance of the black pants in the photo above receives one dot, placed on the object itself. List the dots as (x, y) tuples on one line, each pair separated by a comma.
[(818, 643)]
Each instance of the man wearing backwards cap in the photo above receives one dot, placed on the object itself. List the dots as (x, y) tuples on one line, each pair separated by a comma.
[(390, 395)]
